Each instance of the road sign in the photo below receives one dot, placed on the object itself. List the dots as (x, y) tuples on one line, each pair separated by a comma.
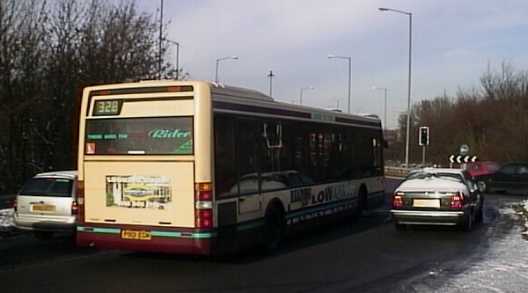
[(464, 150), (459, 159)]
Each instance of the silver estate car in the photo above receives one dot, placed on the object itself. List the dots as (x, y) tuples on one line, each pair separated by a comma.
[(47, 204)]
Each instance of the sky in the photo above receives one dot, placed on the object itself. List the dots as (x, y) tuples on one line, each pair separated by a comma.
[(453, 43)]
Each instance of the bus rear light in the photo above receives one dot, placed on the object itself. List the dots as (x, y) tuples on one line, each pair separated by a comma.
[(397, 200), (205, 195), (78, 203), (204, 218), (79, 189), (204, 205), (204, 191), (457, 201)]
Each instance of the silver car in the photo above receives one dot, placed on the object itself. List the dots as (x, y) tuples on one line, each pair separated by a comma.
[(47, 204)]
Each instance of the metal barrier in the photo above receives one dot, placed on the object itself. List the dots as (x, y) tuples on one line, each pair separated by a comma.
[(399, 172)]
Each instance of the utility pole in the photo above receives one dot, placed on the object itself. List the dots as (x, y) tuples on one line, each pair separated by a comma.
[(270, 75), (177, 61)]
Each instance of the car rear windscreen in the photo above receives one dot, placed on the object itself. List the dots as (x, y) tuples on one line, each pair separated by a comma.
[(57, 187), (140, 136)]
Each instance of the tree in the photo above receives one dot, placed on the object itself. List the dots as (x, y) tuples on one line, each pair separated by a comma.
[(48, 53)]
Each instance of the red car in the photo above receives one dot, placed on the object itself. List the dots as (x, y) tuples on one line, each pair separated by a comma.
[(478, 169), (481, 171)]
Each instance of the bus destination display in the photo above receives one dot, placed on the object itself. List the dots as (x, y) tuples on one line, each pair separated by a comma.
[(107, 107)]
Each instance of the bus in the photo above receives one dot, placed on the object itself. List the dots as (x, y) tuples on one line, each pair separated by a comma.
[(193, 167)]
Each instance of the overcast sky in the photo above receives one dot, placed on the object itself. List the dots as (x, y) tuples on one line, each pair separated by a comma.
[(453, 43)]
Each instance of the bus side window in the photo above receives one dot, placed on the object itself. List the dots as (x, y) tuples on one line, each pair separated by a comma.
[(225, 157), (248, 135)]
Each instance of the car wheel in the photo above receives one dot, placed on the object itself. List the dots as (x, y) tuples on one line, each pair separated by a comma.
[(467, 225), (274, 228), (480, 213), (43, 235)]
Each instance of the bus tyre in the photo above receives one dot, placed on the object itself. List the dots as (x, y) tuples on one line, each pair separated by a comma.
[(273, 228)]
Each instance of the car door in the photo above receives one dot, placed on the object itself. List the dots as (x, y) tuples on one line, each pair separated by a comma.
[(474, 194), (505, 178), (522, 177)]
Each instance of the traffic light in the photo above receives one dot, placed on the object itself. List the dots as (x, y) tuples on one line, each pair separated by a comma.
[(423, 136)]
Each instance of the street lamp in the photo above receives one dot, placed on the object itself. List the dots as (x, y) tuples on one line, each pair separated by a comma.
[(349, 59), (385, 104), (177, 57), (409, 83), (222, 59), (302, 90)]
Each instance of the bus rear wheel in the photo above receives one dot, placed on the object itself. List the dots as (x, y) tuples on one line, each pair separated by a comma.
[(274, 227)]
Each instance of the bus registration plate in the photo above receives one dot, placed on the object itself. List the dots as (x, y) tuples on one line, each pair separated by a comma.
[(136, 235), (43, 208)]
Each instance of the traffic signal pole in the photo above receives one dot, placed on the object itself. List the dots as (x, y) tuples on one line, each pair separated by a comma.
[(423, 155), (423, 140)]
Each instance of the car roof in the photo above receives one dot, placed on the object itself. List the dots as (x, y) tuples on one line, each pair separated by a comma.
[(440, 170), (70, 174)]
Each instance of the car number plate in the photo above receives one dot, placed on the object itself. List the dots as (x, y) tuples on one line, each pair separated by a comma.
[(426, 203), (136, 235), (43, 208)]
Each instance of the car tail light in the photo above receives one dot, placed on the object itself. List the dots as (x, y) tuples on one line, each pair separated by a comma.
[(457, 201), (397, 200), (74, 208), (204, 205), (14, 204), (78, 204)]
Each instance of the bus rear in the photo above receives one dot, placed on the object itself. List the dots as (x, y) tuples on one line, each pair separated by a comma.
[(145, 167)]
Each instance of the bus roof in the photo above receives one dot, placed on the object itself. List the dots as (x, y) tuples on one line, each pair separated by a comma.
[(238, 95)]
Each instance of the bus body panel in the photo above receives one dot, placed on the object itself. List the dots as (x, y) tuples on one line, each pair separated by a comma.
[(168, 240), (203, 133), (139, 193)]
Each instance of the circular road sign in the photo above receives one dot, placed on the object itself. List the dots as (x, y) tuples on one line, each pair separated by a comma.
[(464, 149)]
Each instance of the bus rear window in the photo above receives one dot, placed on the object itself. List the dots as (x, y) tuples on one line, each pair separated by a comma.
[(57, 187), (139, 136)]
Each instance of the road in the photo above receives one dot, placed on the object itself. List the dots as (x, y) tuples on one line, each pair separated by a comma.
[(365, 255)]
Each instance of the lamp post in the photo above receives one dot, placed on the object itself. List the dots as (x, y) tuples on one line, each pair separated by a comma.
[(301, 94), (385, 104), (408, 84), (177, 58), (218, 62), (349, 59)]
